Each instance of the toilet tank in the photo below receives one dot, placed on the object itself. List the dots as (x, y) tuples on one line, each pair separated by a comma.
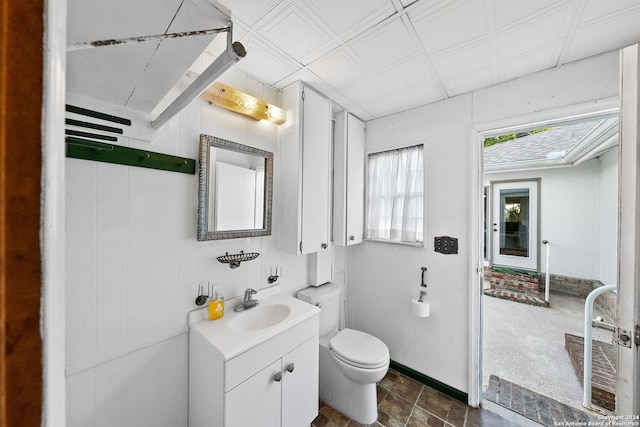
[(327, 297)]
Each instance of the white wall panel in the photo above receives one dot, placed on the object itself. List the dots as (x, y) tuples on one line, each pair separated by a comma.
[(111, 256), (81, 261)]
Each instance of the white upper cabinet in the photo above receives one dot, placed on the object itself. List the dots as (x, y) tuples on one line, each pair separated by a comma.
[(348, 177), (305, 165)]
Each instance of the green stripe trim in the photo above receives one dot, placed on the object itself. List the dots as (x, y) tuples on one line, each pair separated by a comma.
[(97, 115), (435, 384), (89, 125)]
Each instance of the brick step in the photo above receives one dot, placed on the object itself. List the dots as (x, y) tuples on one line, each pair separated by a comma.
[(514, 281), (516, 296), (603, 374), (535, 406)]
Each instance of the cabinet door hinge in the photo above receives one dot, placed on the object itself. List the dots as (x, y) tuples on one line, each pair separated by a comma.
[(300, 246), (303, 94)]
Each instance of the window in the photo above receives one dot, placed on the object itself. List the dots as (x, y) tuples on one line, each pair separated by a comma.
[(395, 204)]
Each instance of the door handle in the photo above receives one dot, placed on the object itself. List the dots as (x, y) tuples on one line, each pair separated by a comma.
[(291, 367), (277, 377)]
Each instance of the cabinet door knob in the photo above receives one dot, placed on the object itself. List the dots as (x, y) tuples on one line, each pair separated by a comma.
[(324, 246), (352, 237), (290, 367), (277, 377)]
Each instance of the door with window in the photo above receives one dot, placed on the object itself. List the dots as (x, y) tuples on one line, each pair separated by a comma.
[(515, 224)]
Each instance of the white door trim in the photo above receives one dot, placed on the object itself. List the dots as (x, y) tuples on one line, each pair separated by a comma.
[(628, 304), (478, 132)]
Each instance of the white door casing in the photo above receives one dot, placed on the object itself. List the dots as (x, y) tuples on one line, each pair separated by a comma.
[(628, 304)]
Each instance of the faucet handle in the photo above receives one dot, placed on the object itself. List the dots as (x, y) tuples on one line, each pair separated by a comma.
[(248, 292)]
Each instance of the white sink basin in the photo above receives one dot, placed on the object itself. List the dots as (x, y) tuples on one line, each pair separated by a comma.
[(260, 317), (236, 333)]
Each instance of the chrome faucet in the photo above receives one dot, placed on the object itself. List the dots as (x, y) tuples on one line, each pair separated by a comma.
[(247, 301)]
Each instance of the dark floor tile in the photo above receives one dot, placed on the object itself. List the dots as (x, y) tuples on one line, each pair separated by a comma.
[(407, 388), (396, 407), (434, 402), (389, 379), (336, 418), (381, 393), (421, 418), (457, 413)]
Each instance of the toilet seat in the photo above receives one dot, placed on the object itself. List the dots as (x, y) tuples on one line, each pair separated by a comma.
[(359, 349)]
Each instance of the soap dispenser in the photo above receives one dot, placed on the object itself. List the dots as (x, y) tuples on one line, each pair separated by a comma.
[(216, 307)]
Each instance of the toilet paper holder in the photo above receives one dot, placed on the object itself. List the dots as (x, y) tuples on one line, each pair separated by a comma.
[(422, 294)]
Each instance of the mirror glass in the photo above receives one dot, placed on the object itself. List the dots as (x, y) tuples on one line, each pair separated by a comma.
[(235, 190)]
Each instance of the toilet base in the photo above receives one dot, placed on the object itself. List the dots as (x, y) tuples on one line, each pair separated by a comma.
[(356, 401)]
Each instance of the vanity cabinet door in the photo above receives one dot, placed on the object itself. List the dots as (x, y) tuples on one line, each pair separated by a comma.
[(305, 171), (349, 170), (300, 385), (257, 401)]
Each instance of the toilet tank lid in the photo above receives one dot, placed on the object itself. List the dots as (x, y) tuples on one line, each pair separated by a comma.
[(314, 295)]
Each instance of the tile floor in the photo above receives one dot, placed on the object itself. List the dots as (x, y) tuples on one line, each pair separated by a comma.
[(403, 401)]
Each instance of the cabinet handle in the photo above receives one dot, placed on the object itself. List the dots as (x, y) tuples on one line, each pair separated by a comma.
[(352, 237), (277, 377), (324, 246), (291, 367)]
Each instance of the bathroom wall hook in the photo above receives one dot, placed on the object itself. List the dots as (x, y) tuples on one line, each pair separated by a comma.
[(201, 299), (274, 277)]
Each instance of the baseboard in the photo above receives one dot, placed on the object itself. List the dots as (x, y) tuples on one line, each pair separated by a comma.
[(435, 384)]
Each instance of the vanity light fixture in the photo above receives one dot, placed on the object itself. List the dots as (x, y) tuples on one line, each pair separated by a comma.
[(242, 103)]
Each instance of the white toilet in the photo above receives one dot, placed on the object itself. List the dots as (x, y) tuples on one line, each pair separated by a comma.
[(351, 362)]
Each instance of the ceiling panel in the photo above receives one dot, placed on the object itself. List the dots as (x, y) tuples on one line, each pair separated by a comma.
[(249, 11), (271, 64), (464, 59), (445, 25), (389, 44), (532, 33), (341, 67), (346, 18), (296, 32), (404, 74), (606, 29), (373, 57)]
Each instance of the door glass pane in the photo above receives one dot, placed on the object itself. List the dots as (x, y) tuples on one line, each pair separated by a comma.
[(514, 222)]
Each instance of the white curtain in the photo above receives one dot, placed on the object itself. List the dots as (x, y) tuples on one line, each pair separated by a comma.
[(395, 195)]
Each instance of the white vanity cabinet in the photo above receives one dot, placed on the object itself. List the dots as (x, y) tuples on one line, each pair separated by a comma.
[(305, 166), (279, 395), (272, 384), (348, 170)]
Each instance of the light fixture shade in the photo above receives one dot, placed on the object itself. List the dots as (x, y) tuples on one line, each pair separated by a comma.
[(242, 103)]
